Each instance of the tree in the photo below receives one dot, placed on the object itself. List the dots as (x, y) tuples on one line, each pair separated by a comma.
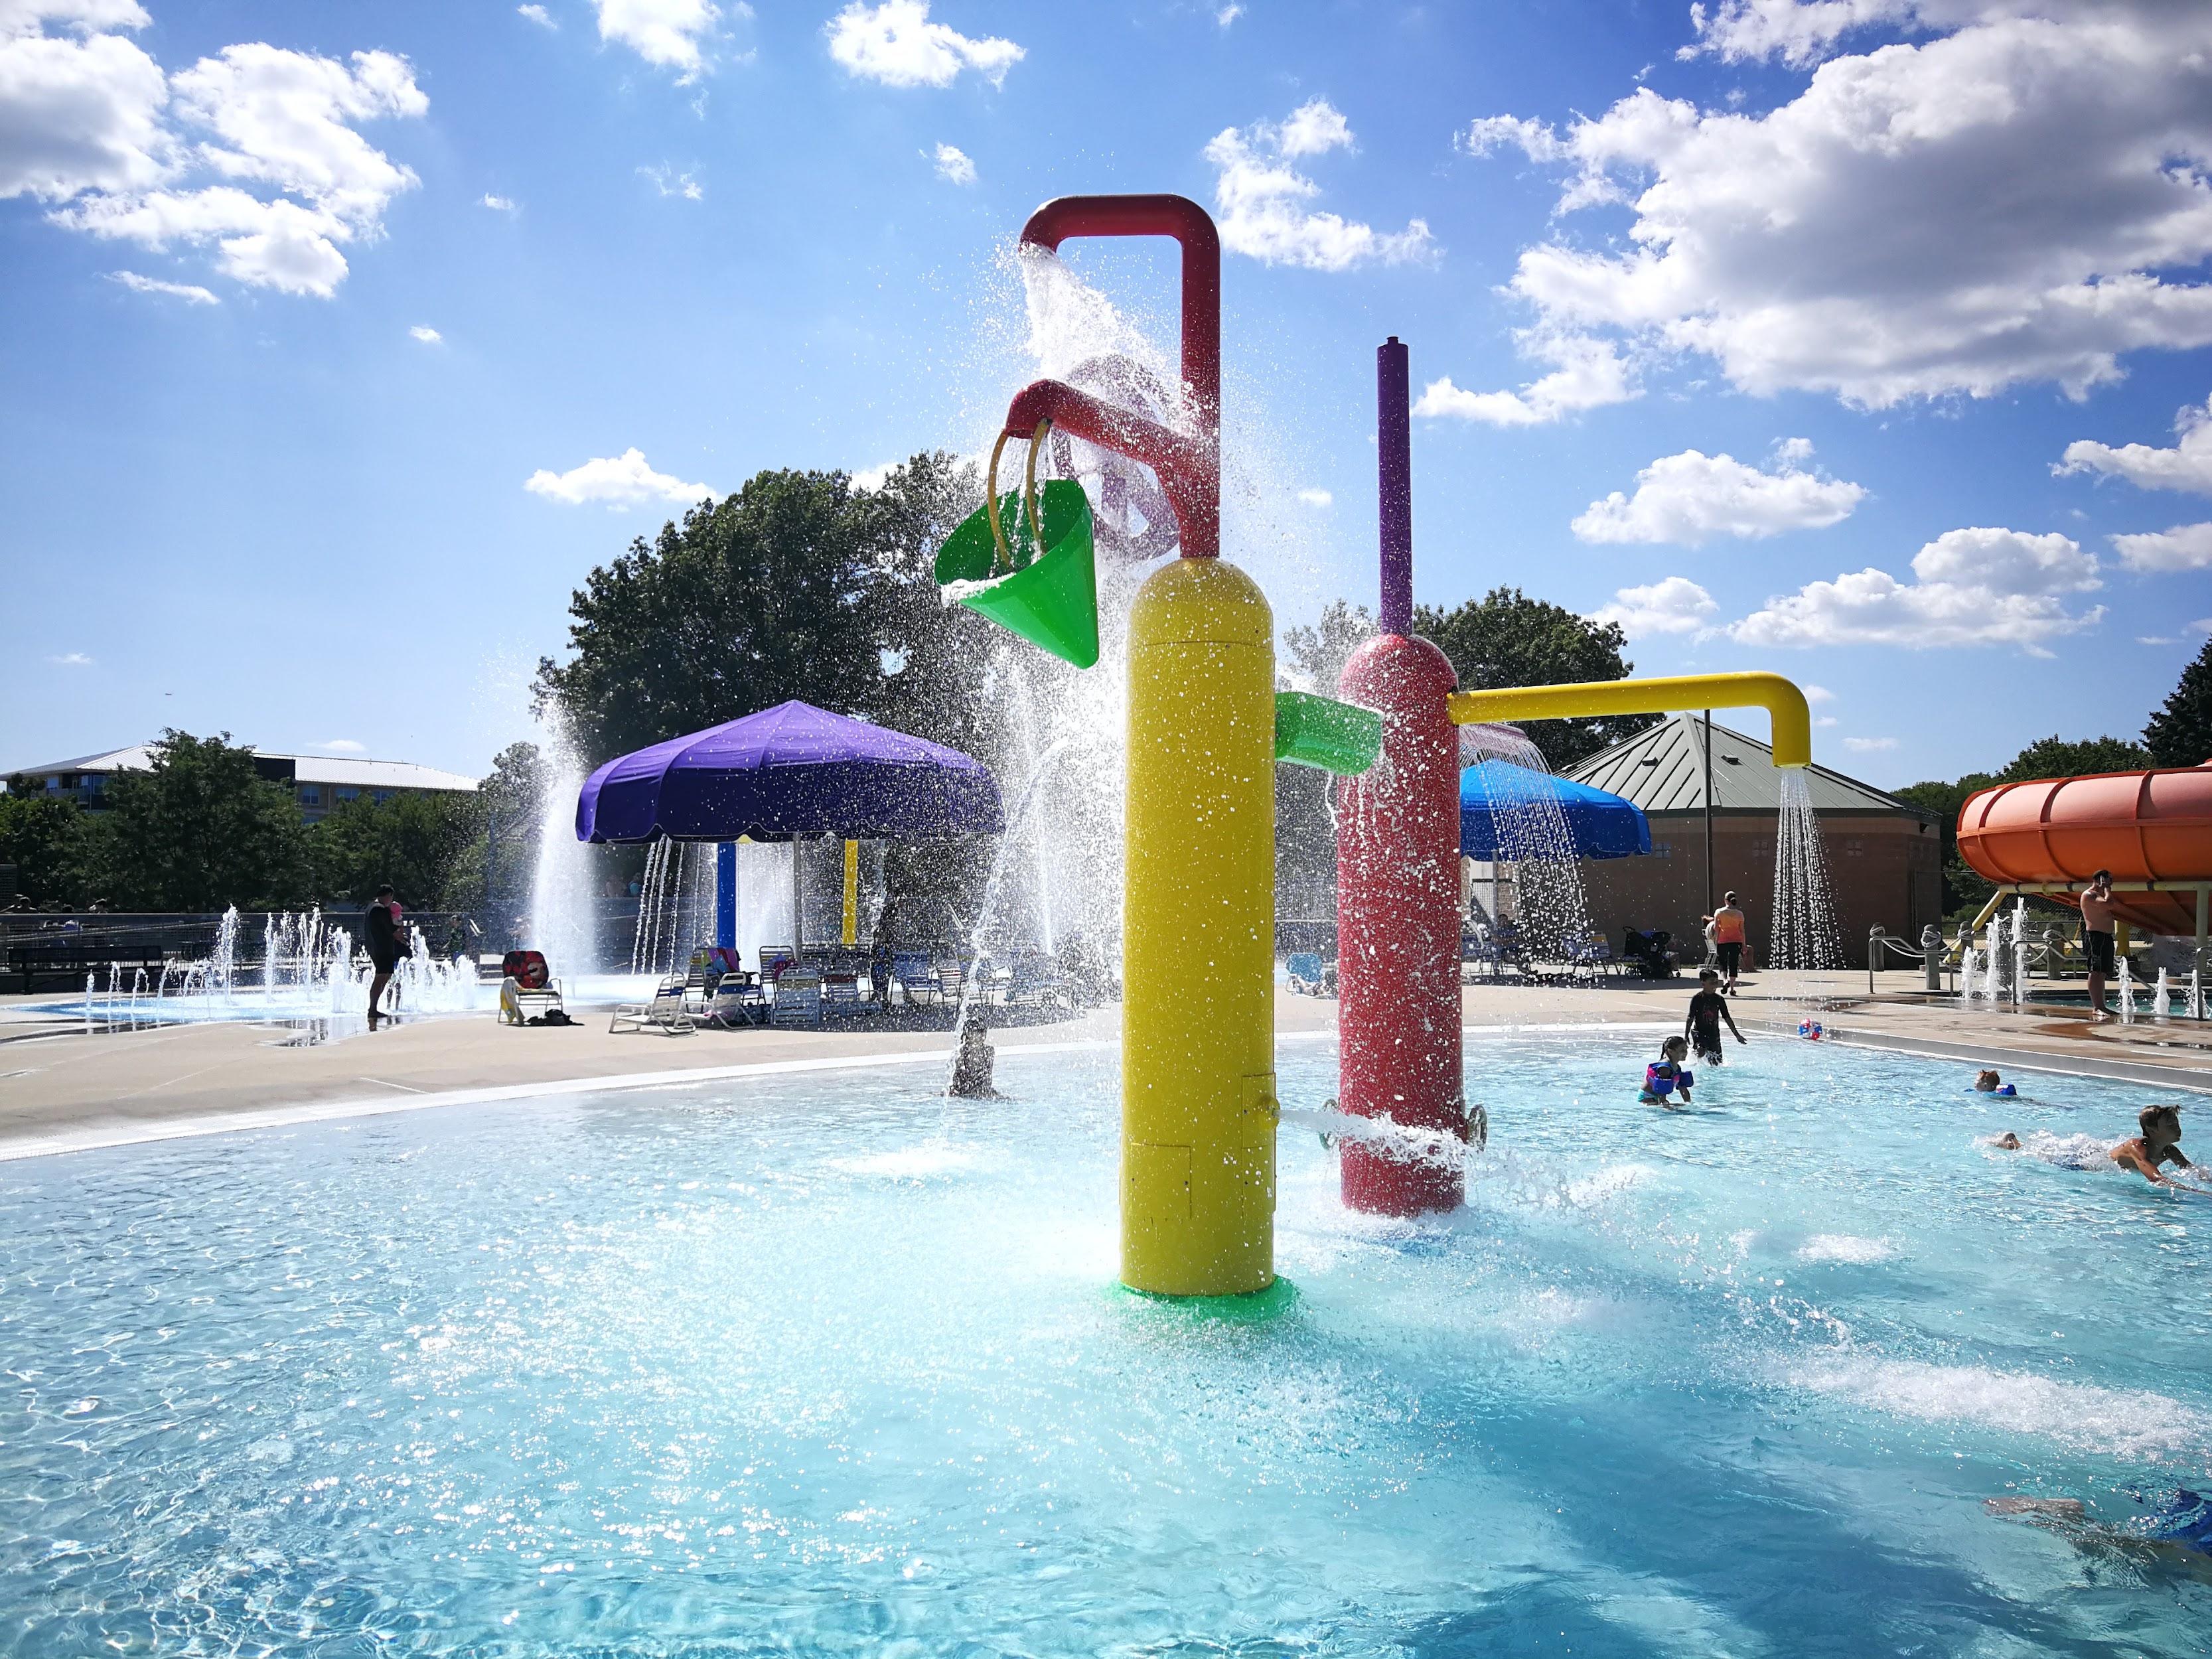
[(796, 586), (416, 841), (1317, 655), (43, 838), (1505, 638), (1305, 835), (199, 831), (2055, 757), (1963, 887), (2180, 733)]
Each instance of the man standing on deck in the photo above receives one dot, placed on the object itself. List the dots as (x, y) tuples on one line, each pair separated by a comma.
[(380, 931), (2097, 940), (1727, 941)]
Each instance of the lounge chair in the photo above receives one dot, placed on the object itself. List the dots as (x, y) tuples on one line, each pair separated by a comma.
[(664, 1013), (951, 978), (737, 1001), (527, 984), (1592, 959), (773, 959), (798, 999), (915, 976), (840, 994)]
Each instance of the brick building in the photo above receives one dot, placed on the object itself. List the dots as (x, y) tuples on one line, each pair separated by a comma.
[(1884, 857)]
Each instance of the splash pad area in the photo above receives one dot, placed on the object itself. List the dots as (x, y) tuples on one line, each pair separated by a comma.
[(822, 1364)]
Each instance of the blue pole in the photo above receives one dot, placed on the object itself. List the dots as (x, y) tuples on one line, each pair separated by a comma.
[(725, 895)]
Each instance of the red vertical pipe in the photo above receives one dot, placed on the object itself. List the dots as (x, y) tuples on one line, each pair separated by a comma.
[(1195, 492), (1397, 875)]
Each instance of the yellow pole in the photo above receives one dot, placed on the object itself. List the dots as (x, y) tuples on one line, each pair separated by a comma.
[(852, 892), (1198, 1067), (1793, 721)]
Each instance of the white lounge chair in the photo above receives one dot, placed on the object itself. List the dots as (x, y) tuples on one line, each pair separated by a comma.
[(664, 1013), (798, 999)]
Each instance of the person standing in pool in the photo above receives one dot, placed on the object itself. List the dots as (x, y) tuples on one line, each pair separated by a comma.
[(1665, 1077), (1727, 941), (380, 934), (1707, 1009), (2097, 940)]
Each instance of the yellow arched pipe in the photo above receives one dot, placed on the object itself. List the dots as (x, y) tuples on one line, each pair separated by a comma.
[(1783, 700)]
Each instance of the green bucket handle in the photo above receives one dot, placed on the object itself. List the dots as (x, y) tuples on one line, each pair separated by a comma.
[(1047, 590)]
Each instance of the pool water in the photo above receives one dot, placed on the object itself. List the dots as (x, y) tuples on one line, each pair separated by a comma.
[(824, 1365)]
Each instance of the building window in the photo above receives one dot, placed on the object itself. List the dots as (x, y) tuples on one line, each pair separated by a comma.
[(311, 794), (384, 798), (349, 793)]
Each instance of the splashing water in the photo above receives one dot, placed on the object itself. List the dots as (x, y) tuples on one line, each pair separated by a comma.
[(309, 970), (1532, 836), (563, 910), (1804, 927)]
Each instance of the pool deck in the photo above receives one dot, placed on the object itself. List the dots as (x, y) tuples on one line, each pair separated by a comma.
[(63, 1089)]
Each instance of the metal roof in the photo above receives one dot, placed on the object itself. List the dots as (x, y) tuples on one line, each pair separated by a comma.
[(305, 769), (1663, 771)]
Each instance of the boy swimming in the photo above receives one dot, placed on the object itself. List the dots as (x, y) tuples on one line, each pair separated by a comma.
[(1665, 1077), (2158, 1143), (1988, 1083)]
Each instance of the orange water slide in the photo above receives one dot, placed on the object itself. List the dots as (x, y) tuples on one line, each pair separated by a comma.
[(2144, 827)]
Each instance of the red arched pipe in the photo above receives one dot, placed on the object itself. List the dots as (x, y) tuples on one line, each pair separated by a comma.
[(1190, 467)]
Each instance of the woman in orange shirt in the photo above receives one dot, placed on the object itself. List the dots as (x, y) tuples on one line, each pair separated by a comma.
[(1727, 941)]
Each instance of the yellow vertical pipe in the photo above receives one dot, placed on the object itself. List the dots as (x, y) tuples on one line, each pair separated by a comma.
[(852, 892), (1197, 1083)]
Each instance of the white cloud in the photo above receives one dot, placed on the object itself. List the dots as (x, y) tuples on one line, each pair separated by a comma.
[(1690, 498), (426, 334), (670, 32), (343, 746), (2022, 198), (1868, 746), (953, 165), (137, 284), (1824, 720), (77, 115), (1316, 497), (502, 204), (22, 17), (1973, 586), (1260, 199), (1228, 14), (539, 15), (2184, 547), (897, 44), (1818, 694), (868, 479), (71, 660), (669, 182), (2187, 465), (1738, 31), (1675, 605), (92, 126), (620, 481), (1590, 373)]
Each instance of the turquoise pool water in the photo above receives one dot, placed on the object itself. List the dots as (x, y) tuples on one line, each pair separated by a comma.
[(818, 1365)]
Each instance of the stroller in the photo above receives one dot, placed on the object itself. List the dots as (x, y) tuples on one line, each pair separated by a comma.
[(1648, 952)]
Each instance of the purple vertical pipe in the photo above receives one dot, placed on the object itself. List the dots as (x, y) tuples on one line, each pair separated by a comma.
[(1395, 467)]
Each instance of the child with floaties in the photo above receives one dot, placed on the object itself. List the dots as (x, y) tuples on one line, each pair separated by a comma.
[(1666, 1077)]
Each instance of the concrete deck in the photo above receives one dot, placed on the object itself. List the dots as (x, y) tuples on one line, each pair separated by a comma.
[(63, 1089)]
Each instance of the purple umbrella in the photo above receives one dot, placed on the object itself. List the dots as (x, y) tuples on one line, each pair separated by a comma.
[(791, 771)]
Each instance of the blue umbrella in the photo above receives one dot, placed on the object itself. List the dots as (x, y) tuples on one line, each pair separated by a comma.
[(791, 771), (1604, 826)]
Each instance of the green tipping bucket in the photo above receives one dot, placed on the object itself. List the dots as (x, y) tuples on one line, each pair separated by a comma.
[(1051, 599), (1325, 734)]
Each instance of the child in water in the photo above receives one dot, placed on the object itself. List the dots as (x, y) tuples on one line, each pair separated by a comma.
[(2158, 1143), (1664, 1077), (1988, 1083)]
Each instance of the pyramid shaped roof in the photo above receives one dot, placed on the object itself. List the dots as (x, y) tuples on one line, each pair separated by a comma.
[(1663, 771)]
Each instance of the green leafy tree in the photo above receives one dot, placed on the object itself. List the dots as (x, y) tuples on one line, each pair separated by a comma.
[(2056, 757), (199, 830), (1963, 887), (417, 841), (2180, 732), (1506, 638), (44, 839), (798, 586)]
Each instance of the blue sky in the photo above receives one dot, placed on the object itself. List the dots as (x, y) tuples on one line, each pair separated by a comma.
[(1897, 276)]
